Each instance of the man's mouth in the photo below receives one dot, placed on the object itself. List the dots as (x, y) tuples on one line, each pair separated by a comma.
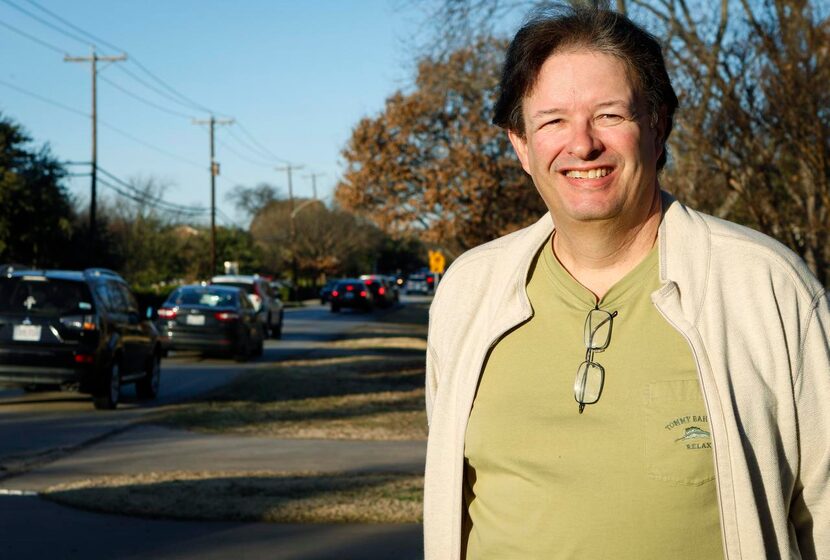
[(595, 173)]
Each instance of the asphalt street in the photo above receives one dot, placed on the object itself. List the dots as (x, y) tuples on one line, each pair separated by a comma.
[(57, 436)]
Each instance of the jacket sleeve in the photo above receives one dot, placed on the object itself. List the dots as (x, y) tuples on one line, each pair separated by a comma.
[(431, 380), (810, 510)]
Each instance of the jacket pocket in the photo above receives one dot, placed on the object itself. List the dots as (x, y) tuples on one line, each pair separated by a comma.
[(678, 439)]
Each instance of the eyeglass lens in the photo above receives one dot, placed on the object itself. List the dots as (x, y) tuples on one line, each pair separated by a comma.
[(597, 332)]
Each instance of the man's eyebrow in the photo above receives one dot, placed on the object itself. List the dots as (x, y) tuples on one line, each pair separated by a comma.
[(601, 105)]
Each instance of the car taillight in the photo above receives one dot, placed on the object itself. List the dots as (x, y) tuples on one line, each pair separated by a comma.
[(350, 288), (430, 279), (80, 322), (84, 359), (167, 313), (363, 293), (335, 293), (381, 290), (225, 316)]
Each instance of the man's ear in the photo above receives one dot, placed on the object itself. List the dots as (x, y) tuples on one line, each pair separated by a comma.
[(520, 147)]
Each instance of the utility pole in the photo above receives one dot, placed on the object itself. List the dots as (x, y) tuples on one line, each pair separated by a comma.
[(313, 177), (214, 171), (94, 58), (288, 168)]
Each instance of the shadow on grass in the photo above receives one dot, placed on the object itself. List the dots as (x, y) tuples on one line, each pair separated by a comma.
[(373, 379), (356, 497)]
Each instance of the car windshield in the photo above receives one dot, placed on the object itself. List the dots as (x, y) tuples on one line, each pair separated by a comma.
[(203, 296), (38, 295)]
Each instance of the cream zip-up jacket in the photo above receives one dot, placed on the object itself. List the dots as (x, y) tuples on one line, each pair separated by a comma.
[(758, 324)]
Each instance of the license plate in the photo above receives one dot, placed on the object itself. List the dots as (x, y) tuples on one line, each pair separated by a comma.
[(195, 320), (349, 295), (29, 333)]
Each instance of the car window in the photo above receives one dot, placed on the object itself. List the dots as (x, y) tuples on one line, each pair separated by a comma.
[(118, 303), (129, 298), (203, 296), (43, 296), (104, 295), (249, 288)]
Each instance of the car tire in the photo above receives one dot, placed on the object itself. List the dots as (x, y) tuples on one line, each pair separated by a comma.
[(335, 308), (109, 390), (244, 351), (276, 332), (148, 386)]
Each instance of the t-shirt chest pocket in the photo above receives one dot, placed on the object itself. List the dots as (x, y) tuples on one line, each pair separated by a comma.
[(678, 439)]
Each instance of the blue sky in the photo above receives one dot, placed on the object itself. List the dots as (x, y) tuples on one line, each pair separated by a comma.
[(296, 75)]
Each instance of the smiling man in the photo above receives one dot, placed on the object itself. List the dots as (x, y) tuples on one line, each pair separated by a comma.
[(627, 378)]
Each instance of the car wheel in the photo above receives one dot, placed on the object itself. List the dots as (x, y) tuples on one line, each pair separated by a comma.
[(109, 391), (244, 350), (276, 332), (335, 308), (148, 386)]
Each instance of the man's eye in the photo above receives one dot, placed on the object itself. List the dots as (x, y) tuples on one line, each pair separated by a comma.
[(610, 118)]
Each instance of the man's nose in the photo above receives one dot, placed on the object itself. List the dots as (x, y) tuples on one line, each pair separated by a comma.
[(584, 143)]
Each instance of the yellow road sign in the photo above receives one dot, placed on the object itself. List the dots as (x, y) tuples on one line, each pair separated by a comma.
[(437, 262)]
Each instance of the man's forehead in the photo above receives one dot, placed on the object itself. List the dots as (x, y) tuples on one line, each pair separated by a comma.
[(563, 69)]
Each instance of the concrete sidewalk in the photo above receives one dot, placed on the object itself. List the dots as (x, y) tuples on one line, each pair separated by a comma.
[(148, 448)]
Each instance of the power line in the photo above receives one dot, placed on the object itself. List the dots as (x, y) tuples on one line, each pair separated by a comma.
[(146, 101), (182, 99), (46, 23), (173, 90), (33, 38), (169, 154), (98, 40), (45, 99), (104, 123), (243, 156), (258, 143), (251, 147), (152, 198), (153, 88)]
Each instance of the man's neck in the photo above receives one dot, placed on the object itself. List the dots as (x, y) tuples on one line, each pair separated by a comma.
[(599, 254)]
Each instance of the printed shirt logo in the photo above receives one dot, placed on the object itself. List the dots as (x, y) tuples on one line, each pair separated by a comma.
[(692, 435)]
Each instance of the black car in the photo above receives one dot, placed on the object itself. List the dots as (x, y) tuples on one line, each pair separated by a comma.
[(325, 291), (78, 329), (383, 288), (352, 293), (212, 318)]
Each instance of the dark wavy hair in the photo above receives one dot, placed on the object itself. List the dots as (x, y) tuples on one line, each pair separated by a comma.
[(567, 28)]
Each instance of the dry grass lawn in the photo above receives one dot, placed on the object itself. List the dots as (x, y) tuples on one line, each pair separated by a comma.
[(252, 496), (366, 386)]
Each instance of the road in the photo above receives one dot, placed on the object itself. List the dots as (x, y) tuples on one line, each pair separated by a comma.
[(36, 425), (36, 428)]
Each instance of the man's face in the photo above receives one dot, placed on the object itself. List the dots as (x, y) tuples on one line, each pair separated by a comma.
[(588, 143)]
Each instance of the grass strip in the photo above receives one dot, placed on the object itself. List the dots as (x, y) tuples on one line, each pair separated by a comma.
[(264, 496), (366, 386)]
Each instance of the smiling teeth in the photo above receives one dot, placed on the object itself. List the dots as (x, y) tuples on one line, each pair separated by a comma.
[(590, 174)]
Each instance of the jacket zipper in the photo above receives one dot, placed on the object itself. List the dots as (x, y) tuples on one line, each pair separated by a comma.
[(709, 413)]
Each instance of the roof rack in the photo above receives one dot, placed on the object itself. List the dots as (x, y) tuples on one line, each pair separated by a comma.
[(101, 272)]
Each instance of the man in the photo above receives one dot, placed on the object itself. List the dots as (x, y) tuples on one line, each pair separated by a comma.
[(627, 378)]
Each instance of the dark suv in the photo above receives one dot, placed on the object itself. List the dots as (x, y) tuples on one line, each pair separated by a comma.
[(77, 329)]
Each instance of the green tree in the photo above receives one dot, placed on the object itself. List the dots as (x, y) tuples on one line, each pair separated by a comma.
[(35, 208)]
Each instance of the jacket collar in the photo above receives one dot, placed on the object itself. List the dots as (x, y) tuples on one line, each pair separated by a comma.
[(684, 252)]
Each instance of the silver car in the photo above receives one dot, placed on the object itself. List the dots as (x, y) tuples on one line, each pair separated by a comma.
[(265, 301)]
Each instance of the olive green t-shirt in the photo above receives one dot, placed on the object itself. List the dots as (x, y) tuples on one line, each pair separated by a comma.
[(630, 478)]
